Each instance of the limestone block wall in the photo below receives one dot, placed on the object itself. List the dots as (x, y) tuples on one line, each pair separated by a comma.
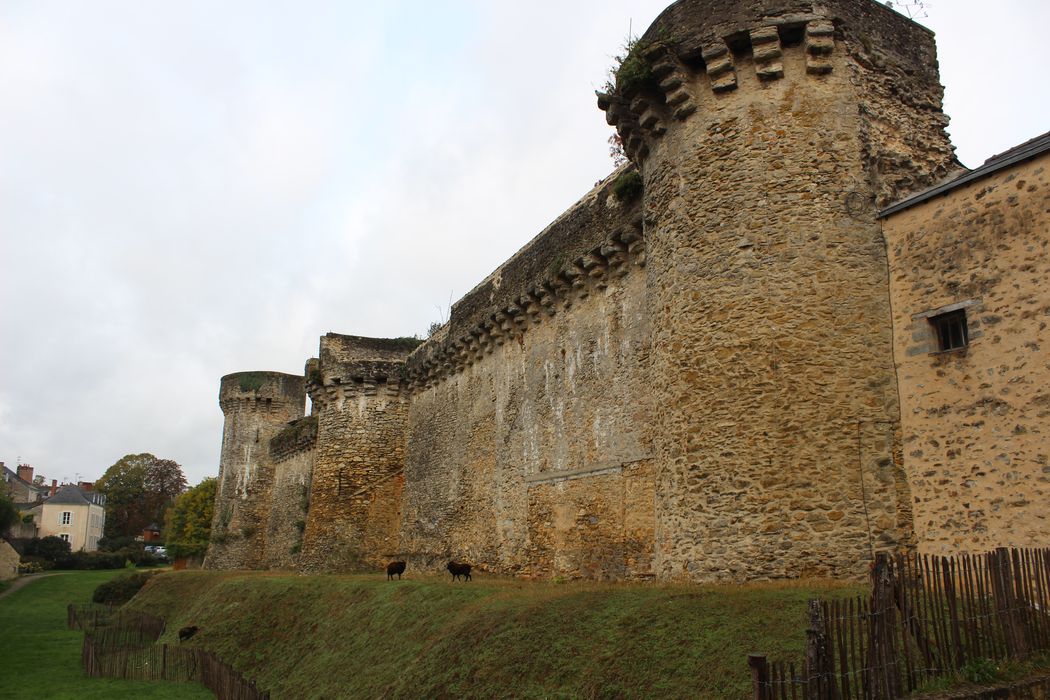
[(256, 406), (355, 494), (776, 445), (974, 420), (526, 446)]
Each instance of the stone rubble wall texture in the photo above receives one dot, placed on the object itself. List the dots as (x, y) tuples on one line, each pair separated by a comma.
[(9, 560), (289, 504), (355, 496), (697, 384), (524, 461), (975, 420), (256, 406), (776, 443)]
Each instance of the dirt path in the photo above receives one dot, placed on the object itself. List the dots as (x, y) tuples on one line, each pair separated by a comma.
[(24, 581)]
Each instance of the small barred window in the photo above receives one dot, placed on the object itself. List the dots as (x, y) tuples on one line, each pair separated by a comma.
[(952, 332)]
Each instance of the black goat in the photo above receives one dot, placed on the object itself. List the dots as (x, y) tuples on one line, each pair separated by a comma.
[(395, 567), (187, 632), (458, 570)]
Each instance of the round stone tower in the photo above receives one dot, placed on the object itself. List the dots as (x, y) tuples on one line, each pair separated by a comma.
[(767, 134), (256, 405)]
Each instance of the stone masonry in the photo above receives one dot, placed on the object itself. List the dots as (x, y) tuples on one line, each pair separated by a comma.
[(696, 381), (974, 418)]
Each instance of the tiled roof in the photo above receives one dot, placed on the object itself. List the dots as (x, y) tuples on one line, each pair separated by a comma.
[(74, 495)]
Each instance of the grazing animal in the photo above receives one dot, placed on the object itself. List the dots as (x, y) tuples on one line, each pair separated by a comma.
[(187, 632), (458, 570), (395, 567)]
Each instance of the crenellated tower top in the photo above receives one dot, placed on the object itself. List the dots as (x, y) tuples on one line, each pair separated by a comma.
[(262, 392), (698, 54)]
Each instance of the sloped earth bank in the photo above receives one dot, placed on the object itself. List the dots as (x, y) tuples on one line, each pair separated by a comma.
[(364, 637)]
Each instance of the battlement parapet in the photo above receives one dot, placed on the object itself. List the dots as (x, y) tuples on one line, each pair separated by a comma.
[(297, 437), (261, 392), (581, 252), (695, 50), (355, 366)]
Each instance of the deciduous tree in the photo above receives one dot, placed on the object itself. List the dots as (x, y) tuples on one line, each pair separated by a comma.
[(138, 489), (9, 515), (189, 524)]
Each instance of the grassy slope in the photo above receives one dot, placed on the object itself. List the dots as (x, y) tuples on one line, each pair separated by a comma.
[(356, 636), (41, 658)]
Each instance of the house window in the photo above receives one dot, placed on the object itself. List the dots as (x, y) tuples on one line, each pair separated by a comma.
[(65, 536), (951, 329), (67, 517)]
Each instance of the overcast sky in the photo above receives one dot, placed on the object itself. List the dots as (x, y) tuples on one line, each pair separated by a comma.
[(189, 189)]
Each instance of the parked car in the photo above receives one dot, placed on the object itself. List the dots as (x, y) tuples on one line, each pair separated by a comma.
[(159, 552)]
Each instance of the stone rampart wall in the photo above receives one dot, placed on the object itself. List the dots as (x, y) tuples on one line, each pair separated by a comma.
[(256, 406), (355, 508), (529, 459), (290, 502)]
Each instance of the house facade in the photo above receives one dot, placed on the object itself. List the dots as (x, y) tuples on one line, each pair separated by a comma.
[(75, 515)]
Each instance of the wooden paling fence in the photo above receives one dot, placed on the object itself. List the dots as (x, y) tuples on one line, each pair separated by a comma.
[(926, 617), (122, 644)]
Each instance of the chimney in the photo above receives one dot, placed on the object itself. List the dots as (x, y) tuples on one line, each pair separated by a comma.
[(86, 485), (54, 487), (25, 473)]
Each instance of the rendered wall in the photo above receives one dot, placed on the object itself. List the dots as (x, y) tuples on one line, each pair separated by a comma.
[(974, 420)]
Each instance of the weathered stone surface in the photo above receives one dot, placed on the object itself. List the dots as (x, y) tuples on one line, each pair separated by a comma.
[(355, 493), (256, 406), (697, 383), (974, 419)]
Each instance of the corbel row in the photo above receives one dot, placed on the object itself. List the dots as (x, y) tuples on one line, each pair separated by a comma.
[(325, 389), (254, 404), (575, 281), (643, 117)]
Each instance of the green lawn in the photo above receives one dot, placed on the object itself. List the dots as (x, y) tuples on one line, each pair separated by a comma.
[(41, 658)]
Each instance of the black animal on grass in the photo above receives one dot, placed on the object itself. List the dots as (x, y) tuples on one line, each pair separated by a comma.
[(458, 570), (187, 632), (395, 567)]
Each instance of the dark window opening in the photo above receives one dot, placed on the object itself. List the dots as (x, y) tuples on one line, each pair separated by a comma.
[(791, 35), (952, 332), (739, 44)]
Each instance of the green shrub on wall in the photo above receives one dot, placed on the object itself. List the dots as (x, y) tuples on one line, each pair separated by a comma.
[(251, 381), (628, 186)]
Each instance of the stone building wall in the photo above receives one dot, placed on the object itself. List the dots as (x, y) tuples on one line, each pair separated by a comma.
[(975, 419), (355, 505), (256, 406)]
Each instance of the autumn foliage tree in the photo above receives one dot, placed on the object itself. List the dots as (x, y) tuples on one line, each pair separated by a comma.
[(189, 524), (139, 489)]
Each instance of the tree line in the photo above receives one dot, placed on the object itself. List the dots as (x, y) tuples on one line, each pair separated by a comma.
[(143, 490)]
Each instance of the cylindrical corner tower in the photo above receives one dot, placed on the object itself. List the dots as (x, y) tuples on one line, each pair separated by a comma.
[(255, 405), (766, 133)]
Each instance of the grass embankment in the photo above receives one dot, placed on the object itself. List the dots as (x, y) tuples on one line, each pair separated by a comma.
[(356, 636), (41, 658)]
